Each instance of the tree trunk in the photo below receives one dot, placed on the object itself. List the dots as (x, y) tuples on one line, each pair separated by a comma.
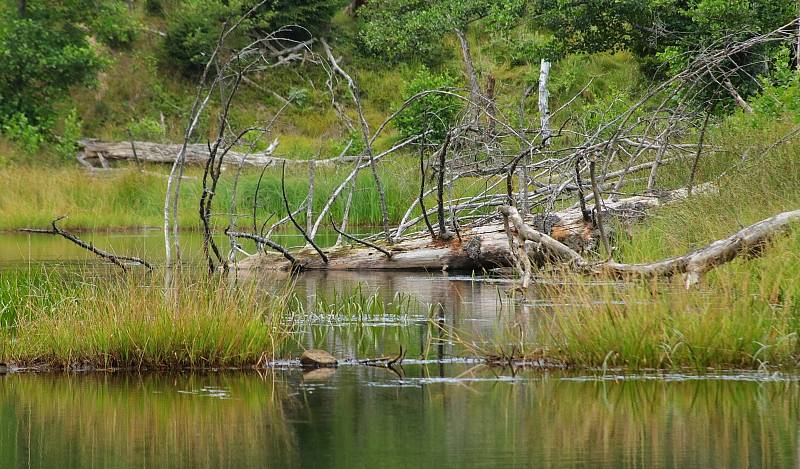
[(472, 76), (91, 152), (478, 248), (544, 97), (693, 265)]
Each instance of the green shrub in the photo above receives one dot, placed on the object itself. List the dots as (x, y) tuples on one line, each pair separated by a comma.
[(43, 54), (18, 128), (67, 144), (114, 25), (433, 112), (193, 32), (147, 129)]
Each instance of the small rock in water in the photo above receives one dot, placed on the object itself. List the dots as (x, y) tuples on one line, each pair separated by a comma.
[(317, 358)]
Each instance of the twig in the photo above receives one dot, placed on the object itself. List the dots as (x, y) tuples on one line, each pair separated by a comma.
[(296, 265), (598, 208)]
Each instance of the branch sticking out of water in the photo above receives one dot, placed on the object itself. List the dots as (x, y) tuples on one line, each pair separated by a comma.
[(114, 259)]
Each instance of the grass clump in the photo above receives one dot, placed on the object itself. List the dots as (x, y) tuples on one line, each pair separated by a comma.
[(746, 314), (131, 323)]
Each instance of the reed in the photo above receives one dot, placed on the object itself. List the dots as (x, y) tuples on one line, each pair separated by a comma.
[(129, 322)]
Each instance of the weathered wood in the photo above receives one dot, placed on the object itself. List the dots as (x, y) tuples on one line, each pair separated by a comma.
[(692, 265), (94, 152), (113, 258), (483, 247)]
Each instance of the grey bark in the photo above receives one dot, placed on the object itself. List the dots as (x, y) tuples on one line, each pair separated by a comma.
[(469, 69)]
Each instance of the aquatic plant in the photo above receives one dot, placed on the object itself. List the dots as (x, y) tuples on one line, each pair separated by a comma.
[(130, 321)]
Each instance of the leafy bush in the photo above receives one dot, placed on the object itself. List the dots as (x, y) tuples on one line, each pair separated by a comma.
[(67, 144), (665, 34), (435, 112), (43, 53), (299, 97), (29, 137), (147, 129), (114, 25), (193, 32)]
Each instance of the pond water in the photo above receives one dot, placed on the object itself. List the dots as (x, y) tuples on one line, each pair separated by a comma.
[(436, 410), (370, 417)]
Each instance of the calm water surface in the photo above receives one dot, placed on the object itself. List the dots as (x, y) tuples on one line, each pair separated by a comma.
[(434, 411)]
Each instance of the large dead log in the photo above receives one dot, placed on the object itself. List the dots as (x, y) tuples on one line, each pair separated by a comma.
[(692, 266), (483, 247), (96, 153)]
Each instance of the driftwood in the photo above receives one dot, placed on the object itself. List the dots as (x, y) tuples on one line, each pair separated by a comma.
[(94, 153), (692, 266), (482, 247), (113, 258)]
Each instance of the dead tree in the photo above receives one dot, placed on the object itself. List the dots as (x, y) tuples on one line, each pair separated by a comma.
[(365, 132)]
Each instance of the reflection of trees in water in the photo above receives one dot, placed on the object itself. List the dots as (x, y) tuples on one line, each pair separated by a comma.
[(553, 423), (121, 420)]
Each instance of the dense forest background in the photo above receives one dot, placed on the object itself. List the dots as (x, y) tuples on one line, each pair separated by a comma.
[(124, 70)]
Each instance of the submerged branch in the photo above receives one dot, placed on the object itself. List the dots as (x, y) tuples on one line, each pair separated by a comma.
[(113, 258)]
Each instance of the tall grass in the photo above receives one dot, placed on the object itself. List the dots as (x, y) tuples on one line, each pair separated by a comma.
[(745, 314), (130, 322), (34, 196)]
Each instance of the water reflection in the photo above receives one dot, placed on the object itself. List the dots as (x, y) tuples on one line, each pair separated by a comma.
[(368, 417)]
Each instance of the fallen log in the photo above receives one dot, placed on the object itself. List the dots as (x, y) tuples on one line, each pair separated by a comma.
[(483, 247), (97, 153), (692, 266)]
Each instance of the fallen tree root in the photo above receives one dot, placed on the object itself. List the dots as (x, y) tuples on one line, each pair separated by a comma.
[(692, 265), (113, 258)]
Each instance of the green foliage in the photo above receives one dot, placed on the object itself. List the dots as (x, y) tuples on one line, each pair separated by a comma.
[(27, 136), (780, 94), (433, 112), (666, 34), (67, 143), (398, 29), (299, 97), (44, 52), (147, 129), (114, 25), (193, 31)]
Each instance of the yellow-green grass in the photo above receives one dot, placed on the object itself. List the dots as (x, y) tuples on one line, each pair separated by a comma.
[(133, 322), (34, 196), (745, 314)]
